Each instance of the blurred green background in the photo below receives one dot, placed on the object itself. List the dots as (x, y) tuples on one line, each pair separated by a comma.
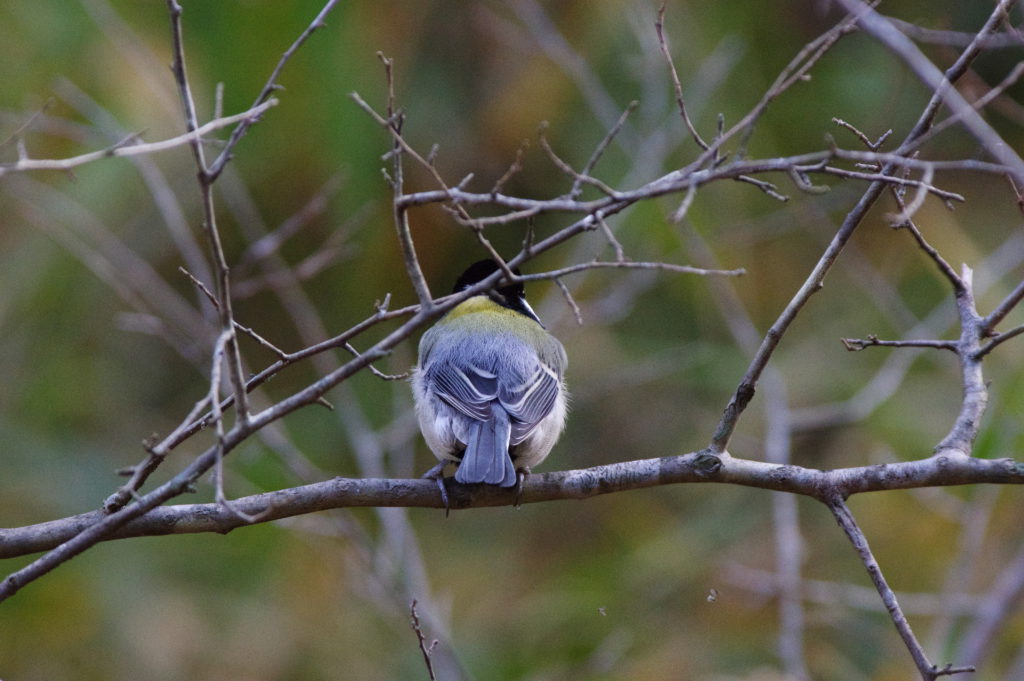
[(103, 343)]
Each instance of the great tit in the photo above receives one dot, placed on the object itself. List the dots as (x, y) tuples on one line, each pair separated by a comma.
[(489, 386)]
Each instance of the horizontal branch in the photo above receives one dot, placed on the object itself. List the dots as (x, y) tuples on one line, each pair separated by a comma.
[(855, 344), (690, 178), (584, 483), (128, 147)]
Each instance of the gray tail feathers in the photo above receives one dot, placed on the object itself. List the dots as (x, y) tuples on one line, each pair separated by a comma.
[(486, 458)]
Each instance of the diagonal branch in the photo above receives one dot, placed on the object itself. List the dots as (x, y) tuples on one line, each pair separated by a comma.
[(815, 281), (900, 45), (927, 670), (217, 167)]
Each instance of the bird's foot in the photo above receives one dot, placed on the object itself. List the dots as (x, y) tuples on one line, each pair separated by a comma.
[(437, 475), (520, 478)]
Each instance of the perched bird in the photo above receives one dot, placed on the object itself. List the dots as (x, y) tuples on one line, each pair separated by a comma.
[(489, 386)]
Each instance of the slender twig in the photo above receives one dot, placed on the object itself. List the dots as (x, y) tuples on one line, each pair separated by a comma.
[(940, 263), (627, 265), (579, 178), (218, 165), (854, 344), (865, 140), (659, 27), (131, 147), (205, 180), (567, 294), (1004, 308), (18, 132), (620, 252), (375, 371), (515, 167), (998, 339), (425, 649), (939, 83), (599, 150), (281, 354)]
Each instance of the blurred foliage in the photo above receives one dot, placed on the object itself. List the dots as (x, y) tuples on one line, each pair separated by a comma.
[(614, 588)]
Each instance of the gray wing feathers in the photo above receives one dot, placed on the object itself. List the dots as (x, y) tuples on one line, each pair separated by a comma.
[(471, 390), (469, 394), (529, 403)]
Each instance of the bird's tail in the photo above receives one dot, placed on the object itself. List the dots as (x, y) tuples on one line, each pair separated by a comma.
[(486, 458)]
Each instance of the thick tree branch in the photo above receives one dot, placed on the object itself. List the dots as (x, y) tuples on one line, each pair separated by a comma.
[(695, 467)]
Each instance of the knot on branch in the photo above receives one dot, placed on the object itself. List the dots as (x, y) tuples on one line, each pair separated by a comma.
[(707, 463)]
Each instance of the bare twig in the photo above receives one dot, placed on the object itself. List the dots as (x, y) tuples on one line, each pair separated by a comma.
[(927, 670), (567, 294), (599, 150), (281, 354), (628, 264), (659, 27), (223, 290), (579, 178), (854, 344), (885, 32), (376, 372), (745, 391), (620, 252), (997, 339), (1004, 308), (426, 649), (130, 146), (515, 167), (218, 165)]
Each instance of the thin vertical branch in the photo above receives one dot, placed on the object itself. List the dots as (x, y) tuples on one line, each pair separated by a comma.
[(401, 212), (975, 392), (786, 526), (659, 27), (426, 649), (222, 278)]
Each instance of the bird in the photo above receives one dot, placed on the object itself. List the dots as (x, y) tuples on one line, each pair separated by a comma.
[(489, 385)]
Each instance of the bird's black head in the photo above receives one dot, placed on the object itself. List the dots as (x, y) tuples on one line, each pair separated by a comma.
[(512, 296)]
